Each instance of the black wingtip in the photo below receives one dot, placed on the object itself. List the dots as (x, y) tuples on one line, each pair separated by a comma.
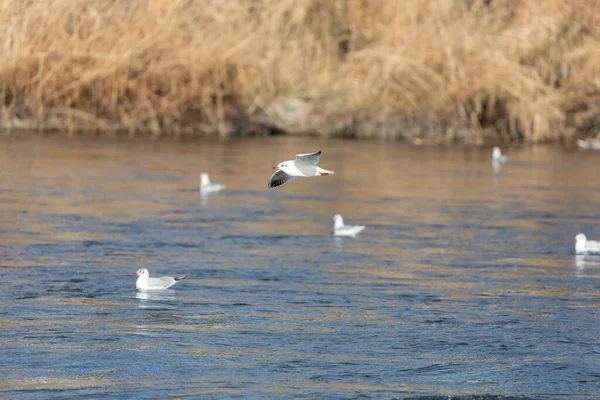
[(278, 179), (180, 278), (276, 182)]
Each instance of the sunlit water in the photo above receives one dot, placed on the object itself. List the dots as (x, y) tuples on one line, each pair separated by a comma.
[(464, 283)]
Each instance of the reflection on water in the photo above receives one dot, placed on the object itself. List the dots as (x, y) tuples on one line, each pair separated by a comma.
[(162, 295), (587, 264), (204, 199), (497, 167), (465, 282)]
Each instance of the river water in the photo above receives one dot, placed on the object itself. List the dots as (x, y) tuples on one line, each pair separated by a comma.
[(464, 283)]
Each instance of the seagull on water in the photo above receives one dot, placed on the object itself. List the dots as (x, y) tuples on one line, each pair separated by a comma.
[(305, 165), (207, 187), (339, 229), (497, 157), (589, 144), (144, 282), (582, 245)]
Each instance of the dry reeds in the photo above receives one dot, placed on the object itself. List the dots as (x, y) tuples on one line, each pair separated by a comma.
[(434, 70)]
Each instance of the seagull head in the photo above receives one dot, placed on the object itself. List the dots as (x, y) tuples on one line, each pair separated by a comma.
[(142, 272), (281, 166), (204, 179), (580, 237), (338, 221)]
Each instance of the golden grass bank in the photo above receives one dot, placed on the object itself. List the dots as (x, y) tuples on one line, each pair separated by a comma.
[(428, 71)]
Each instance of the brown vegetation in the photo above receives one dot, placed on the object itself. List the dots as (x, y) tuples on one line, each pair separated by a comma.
[(432, 70)]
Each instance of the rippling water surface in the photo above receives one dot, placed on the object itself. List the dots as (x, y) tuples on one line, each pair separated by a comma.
[(464, 283)]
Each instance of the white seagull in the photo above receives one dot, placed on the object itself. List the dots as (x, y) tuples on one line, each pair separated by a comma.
[(207, 187), (339, 229), (305, 165), (497, 157), (582, 245), (589, 144), (144, 282)]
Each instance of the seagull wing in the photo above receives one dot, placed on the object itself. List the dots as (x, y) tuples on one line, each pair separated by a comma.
[(164, 282), (349, 230), (592, 246), (278, 179), (309, 158)]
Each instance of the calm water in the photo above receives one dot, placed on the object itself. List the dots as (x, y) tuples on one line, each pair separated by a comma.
[(464, 283)]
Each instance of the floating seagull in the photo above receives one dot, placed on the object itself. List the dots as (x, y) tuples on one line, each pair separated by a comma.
[(497, 157), (589, 144), (339, 229), (582, 245), (305, 165), (207, 187), (144, 282)]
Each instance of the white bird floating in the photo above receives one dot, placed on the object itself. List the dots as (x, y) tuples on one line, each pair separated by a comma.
[(497, 157), (339, 229), (144, 282), (583, 246), (207, 187), (305, 166), (589, 144)]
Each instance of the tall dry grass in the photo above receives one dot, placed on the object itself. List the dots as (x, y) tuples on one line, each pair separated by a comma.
[(433, 70)]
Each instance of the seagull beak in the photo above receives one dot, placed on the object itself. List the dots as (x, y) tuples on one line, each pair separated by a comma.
[(134, 273), (275, 167)]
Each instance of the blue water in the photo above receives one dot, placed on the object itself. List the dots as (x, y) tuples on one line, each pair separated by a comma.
[(464, 284)]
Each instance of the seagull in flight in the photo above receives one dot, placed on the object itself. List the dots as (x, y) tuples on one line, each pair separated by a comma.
[(305, 165), (144, 282)]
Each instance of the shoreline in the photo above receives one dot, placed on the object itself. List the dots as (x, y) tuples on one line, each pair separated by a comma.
[(141, 138), (417, 133)]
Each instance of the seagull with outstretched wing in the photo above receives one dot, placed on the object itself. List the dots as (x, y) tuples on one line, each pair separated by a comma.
[(305, 166)]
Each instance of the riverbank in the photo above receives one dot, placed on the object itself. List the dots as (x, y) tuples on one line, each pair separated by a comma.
[(433, 72)]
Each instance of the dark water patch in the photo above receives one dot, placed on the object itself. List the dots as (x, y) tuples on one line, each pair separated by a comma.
[(170, 244), (470, 397), (202, 220), (28, 296), (100, 243), (19, 232), (267, 239), (535, 215), (68, 217)]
